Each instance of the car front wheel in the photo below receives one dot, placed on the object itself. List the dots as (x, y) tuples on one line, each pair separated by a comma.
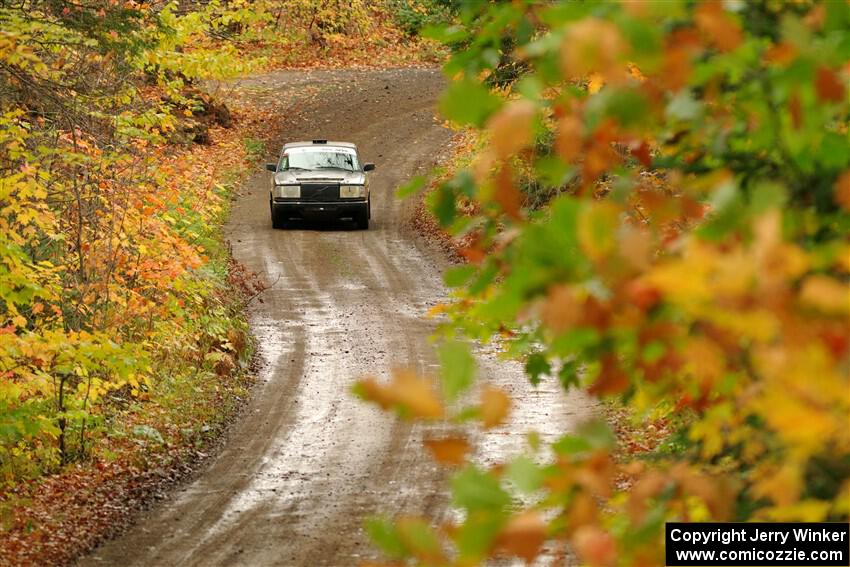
[(277, 218), (362, 218)]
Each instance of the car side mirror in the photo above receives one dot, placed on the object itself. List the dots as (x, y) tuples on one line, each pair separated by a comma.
[(368, 166), (271, 167)]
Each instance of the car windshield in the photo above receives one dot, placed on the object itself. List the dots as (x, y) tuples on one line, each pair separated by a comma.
[(319, 158)]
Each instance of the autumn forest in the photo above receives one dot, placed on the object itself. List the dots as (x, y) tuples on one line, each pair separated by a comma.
[(605, 285)]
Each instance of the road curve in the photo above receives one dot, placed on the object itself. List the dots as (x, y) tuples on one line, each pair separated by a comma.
[(307, 461)]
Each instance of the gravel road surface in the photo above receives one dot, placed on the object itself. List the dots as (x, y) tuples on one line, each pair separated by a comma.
[(307, 461)]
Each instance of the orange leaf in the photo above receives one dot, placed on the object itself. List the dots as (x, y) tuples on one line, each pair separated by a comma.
[(562, 309), (675, 68), (417, 394), (523, 536), (511, 128), (816, 17), (570, 138), (495, 406), (590, 46), (595, 546), (717, 26), (371, 390), (506, 194), (781, 53), (597, 229), (472, 254), (600, 156), (705, 360), (713, 491), (635, 246), (825, 294), (448, 451), (642, 493), (406, 390), (583, 510)]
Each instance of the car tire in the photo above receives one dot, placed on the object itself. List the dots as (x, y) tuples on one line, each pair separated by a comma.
[(362, 220), (277, 220)]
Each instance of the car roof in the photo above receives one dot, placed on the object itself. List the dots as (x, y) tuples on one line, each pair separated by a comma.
[(324, 143)]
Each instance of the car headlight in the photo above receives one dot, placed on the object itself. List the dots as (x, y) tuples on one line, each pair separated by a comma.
[(352, 191), (288, 191)]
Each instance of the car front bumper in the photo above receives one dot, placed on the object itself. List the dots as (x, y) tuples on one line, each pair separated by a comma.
[(318, 210)]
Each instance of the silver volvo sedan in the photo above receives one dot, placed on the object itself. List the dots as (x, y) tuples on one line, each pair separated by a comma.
[(319, 179)]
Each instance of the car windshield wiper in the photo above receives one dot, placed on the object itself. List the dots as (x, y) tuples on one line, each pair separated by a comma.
[(333, 167), (290, 168)]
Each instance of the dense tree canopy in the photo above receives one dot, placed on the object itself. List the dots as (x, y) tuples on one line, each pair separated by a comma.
[(99, 254), (659, 213)]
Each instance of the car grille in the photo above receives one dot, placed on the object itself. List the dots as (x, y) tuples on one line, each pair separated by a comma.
[(320, 191)]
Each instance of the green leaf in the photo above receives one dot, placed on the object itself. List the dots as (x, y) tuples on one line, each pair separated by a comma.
[(411, 187), (598, 433), (457, 369), (568, 375), (484, 279), (475, 536), (553, 171), (445, 34), (571, 445), (626, 106), (459, 275), (419, 537), (729, 213), (468, 102), (834, 150), (385, 535), (766, 196), (575, 341), (536, 366), (530, 87), (684, 107), (525, 474), (475, 490), (653, 351), (443, 204), (594, 435)]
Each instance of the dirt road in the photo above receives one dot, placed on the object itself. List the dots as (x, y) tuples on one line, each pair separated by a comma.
[(308, 461)]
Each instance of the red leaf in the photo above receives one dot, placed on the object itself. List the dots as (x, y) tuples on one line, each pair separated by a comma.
[(611, 379), (828, 86), (642, 153)]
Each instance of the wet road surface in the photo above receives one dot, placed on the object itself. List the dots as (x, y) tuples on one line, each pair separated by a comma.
[(308, 462)]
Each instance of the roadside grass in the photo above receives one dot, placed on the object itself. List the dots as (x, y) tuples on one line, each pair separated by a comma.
[(254, 148)]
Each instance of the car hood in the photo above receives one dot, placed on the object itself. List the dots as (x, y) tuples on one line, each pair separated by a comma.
[(344, 177)]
